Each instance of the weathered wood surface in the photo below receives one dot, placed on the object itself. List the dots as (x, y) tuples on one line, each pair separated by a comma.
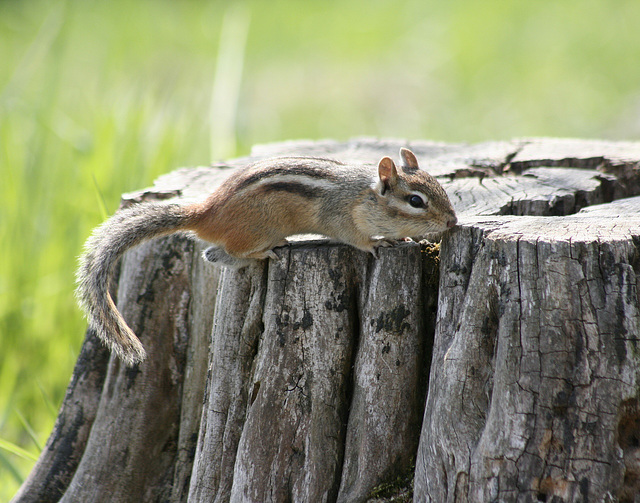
[(305, 379), (536, 356)]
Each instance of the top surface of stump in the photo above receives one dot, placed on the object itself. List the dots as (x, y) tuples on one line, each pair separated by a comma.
[(484, 179)]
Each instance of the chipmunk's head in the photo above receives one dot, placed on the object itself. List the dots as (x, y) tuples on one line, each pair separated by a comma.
[(413, 200)]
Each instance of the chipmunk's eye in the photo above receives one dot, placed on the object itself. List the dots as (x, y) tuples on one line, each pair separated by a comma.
[(416, 201)]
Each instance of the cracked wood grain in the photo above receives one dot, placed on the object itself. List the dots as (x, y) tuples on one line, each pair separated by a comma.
[(535, 355)]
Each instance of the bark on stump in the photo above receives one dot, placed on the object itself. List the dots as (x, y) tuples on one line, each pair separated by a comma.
[(306, 379)]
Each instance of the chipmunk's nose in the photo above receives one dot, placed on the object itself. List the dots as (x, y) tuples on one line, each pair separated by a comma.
[(452, 222)]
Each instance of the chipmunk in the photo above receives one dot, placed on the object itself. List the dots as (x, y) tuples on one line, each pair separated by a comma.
[(254, 210)]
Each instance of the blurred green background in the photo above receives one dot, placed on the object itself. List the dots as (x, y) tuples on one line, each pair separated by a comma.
[(99, 98)]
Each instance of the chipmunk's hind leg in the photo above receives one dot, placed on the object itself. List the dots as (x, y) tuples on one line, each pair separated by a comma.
[(218, 256), (236, 259)]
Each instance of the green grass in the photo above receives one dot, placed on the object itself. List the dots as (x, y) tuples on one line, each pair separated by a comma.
[(99, 98)]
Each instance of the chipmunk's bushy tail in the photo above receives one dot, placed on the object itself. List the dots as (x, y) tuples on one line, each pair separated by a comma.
[(106, 245)]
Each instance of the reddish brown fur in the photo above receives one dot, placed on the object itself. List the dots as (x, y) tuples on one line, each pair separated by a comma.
[(257, 221)]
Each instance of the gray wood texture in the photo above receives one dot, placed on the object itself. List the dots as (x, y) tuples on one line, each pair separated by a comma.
[(501, 365)]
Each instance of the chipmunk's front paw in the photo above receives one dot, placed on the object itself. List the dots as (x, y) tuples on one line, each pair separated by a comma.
[(382, 243), (272, 255)]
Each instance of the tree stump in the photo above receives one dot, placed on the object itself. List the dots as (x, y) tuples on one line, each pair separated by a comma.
[(501, 365)]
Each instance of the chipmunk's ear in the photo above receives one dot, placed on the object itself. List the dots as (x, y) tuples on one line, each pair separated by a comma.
[(409, 160), (388, 173)]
